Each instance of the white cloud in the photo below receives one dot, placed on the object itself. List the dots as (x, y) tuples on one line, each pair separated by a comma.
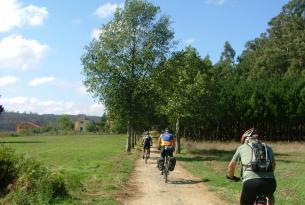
[(7, 80), (96, 109), (217, 2), (82, 90), (14, 14), (106, 10), (34, 105), (18, 52), (42, 80), (95, 33), (189, 41)]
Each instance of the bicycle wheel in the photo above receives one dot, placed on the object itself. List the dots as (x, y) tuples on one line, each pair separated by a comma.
[(166, 169), (146, 156)]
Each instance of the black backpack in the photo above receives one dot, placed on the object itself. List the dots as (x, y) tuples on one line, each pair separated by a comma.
[(261, 160), (147, 140)]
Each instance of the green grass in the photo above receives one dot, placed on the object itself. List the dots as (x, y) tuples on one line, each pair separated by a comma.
[(95, 166), (209, 162)]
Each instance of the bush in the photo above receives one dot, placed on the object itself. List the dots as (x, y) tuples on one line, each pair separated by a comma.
[(25, 181)]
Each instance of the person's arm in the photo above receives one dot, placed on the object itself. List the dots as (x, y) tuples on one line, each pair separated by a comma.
[(232, 164), (159, 142), (231, 169)]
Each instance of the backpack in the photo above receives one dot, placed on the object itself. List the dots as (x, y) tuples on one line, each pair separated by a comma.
[(261, 160), (147, 140)]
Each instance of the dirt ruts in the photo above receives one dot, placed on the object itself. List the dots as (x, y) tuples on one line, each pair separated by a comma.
[(183, 188)]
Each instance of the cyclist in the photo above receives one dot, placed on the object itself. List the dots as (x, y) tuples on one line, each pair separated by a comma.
[(147, 143), (166, 144), (254, 182)]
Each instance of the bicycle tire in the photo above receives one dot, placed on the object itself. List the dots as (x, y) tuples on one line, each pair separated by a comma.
[(166, 169), (145, 156)]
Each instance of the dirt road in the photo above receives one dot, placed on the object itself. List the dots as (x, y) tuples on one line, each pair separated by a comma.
[(182, 188)]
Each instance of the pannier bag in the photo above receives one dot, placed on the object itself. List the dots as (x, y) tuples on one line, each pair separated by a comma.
[(172, 163), (160, 163)]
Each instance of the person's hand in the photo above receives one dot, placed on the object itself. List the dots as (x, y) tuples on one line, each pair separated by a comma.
[(234, 178)]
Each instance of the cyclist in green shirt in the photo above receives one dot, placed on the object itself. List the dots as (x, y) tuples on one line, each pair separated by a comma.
[(255, 182)]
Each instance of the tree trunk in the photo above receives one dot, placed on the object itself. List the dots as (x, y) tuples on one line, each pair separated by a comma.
[(128, 144), (178, 149), (132, 138)]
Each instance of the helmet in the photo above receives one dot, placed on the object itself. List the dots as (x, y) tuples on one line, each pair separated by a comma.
[(250, 133), (166, 130)]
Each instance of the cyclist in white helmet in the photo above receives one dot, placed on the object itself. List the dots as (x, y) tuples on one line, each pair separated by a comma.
[(257, 172)]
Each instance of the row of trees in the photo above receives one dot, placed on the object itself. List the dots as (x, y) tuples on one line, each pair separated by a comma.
[(1, 108), (131, 69)]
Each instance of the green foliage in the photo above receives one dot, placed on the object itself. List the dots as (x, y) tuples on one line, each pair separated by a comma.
[(118, 66), (101, 166), (91, 127), (263, 89), (209, 162), (26, 181), (65, 123)]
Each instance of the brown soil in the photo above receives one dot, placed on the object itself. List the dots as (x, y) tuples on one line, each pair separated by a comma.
[(182, 188)]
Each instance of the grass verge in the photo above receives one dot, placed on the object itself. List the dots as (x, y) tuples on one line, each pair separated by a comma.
[(95, 167), (208, 160)]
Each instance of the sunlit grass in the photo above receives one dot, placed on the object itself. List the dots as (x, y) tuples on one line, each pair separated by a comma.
[(209, 160), (95, 166)]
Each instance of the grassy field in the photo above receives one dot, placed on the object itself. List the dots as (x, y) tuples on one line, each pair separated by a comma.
[(95, 166), (209, 161)]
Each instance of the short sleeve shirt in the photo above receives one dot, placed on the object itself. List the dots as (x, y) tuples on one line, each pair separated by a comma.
[(244, 154)]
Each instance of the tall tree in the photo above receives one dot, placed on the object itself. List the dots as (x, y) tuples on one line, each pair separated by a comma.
[(1, 108), (65, 123), (117, 65), (186, 89), (228, 54)]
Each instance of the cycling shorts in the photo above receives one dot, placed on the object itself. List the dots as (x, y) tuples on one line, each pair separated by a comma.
[(253, 187)]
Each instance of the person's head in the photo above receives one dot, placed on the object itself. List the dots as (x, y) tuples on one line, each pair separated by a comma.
[(166, 130), (249, 134)]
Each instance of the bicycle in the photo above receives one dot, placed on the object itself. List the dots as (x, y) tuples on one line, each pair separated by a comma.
[(165, 168), (146, 156), (261, 199)]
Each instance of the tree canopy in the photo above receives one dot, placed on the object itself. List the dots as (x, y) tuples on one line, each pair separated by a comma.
[(119, 64), (131, 70)]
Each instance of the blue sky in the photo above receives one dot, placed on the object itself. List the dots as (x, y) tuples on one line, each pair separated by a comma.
[(41, 43)]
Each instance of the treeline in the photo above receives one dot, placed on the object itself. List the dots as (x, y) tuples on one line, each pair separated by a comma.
[(8, 120), (264, 87), (143, 85)]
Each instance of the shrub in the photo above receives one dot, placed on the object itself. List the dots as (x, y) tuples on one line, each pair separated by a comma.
[(25, 181)]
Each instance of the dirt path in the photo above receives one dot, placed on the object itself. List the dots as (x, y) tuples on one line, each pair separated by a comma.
[(182, 188)]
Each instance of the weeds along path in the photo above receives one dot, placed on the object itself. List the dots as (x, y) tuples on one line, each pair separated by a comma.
[(182, 188)]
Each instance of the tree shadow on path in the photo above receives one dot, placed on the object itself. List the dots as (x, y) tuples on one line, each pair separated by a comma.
[(188, 181)]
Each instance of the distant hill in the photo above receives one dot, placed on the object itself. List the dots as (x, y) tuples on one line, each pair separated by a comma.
[(8, 120)]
